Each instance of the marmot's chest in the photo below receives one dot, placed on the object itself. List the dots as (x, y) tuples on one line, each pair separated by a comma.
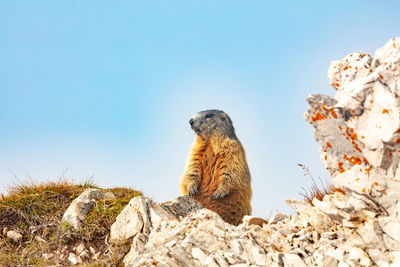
[(209, 170)]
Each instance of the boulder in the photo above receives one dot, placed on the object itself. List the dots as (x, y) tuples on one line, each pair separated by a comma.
[(80, 207)]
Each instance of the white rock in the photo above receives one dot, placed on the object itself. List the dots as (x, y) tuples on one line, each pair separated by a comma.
[(48, 256), (359, 257), (74, 259), (293, 260), (80, 248), (129, 222), (200, 255), (80, 207), (84, 254), (15, 236), (92, 250), (379, 257)]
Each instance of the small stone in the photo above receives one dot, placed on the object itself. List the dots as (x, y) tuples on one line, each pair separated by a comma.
[(84, 254), (92, 250), (199, 254), (379, 257), (359, 257), (15, 236), (48, 256), (5, 230), (292, 260), (74, 259), (80, 248)]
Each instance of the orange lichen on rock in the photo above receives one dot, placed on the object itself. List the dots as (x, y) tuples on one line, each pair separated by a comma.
[(318, 116), (376, 183), (340, 165), (340, 127), (398, 140), (394, 44), (357, 179), (368, 169), (333, 113), (326, 157), (380, 76), (362, 136), (363, 190), (385, 111), (353, 160), (340, 190), (328, 145)]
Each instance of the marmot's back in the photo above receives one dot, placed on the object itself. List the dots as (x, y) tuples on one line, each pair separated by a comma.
[(217, 174)]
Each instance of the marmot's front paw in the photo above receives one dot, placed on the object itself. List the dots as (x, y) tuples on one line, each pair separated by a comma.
[(218, 194), (193, 189)]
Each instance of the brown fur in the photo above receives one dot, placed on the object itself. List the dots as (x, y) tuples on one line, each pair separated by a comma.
[(217, 167)]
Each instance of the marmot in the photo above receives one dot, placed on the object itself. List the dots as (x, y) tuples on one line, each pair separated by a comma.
[(217, 174)]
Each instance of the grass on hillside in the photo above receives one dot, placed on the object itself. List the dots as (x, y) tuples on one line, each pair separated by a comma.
[(35, 210)]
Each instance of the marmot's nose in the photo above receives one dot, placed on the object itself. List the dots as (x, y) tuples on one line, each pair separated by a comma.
[(191, 121)]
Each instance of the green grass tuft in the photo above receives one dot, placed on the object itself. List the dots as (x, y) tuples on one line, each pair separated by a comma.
[(36, 209)]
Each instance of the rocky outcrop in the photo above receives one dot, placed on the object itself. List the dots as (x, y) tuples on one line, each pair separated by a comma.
[(357, 225)]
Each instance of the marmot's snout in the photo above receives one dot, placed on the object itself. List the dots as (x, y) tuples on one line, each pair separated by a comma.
[(195, 124)]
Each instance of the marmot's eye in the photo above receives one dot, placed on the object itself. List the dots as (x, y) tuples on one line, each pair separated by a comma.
[(209, 116)]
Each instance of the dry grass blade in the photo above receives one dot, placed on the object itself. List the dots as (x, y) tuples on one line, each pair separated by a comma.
[(316, 191)]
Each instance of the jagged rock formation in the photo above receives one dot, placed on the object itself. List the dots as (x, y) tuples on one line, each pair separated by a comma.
[(358, 225)]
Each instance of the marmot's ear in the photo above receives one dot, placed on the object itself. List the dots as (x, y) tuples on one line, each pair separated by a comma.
[(224, 116)]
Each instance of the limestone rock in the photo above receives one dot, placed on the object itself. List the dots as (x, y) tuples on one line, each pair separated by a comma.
[(73, 259), (15, 236), (358, 225), (80, 207)]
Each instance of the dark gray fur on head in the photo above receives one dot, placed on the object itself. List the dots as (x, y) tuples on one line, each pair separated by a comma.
[(212, 121)]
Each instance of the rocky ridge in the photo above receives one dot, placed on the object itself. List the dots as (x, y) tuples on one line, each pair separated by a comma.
[(359, 133)]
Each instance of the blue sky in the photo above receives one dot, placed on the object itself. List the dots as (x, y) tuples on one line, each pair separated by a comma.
[(106, 88)]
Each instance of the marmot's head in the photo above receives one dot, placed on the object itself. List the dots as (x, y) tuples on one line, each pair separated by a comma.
[(209, 122)]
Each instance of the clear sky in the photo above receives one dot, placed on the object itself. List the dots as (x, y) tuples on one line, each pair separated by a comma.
[(106, 88)]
